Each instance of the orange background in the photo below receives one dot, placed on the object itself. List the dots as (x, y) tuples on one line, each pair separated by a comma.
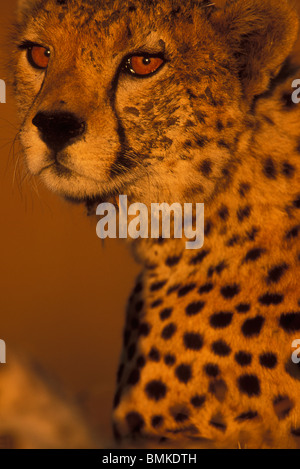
[(62, 293)]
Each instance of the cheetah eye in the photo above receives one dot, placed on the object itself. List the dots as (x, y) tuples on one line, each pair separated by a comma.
[(38, 56), (143, 65)]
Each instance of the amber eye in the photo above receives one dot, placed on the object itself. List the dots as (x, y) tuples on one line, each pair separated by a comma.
[(143, 66), (39, 57)]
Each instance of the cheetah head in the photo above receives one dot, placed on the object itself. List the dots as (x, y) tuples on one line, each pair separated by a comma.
[(141, 97)]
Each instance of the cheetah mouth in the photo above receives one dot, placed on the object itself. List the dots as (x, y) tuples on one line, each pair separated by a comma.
[(61, 170)]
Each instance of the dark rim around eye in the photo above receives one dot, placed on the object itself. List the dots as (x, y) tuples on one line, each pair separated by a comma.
[(30, 59), (129, 70)]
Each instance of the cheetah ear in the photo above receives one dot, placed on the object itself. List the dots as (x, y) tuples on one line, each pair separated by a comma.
[(261, 34)]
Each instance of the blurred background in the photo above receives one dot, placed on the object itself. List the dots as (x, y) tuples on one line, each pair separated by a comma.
[(62, 292)]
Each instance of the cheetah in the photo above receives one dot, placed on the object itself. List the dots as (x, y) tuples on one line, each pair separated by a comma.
[(170, 101)]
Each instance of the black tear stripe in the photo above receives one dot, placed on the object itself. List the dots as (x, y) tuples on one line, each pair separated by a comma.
[(123, 162)]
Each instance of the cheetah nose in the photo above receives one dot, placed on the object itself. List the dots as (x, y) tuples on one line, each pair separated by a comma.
[(59, 129)]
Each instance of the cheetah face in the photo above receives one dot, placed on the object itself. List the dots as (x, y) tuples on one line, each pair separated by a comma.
[(134, 97)]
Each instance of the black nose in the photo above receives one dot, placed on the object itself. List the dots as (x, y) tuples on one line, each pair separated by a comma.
[(59, 129)]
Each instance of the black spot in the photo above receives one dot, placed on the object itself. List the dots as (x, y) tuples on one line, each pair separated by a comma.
[(192, 341), (134, 323), (221, 320), (144, 329), (293, 369), (132, 110), (282, 407), (290, 322), (134, 377), (199, 257), (293, 233), (201, 141), (170, 360), (275, 274), (194, 308), (154, 355), (220, 125), (201, 118), (138, 288), (169, 331), (268, 360), (271, 299), (296, 202), (252, 233), (243, 213), (165, 313), (198, 401), (269, 169), (158, 285), (131, 351), (156, 390), (172, 261), (243, 308), (234, 240), (139, 306), (151, 266), (212, 370), (253, 326), (173, 289), (244, 189), (230, 291), (250, 415), (140, 362), (135, 422), (218, 269), (249, 384), (222, 144), (223, 213), (218, 388), (186, 289), (217, 422), (132, 8), (183, 373), (157, 421), (288, 170), (210, 98), (288, 102), (206, 167), (296, 432), (208, 228), (221, 349), (156, 303), (206, 288), (254, 254), (243, 358), (180, 417)]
